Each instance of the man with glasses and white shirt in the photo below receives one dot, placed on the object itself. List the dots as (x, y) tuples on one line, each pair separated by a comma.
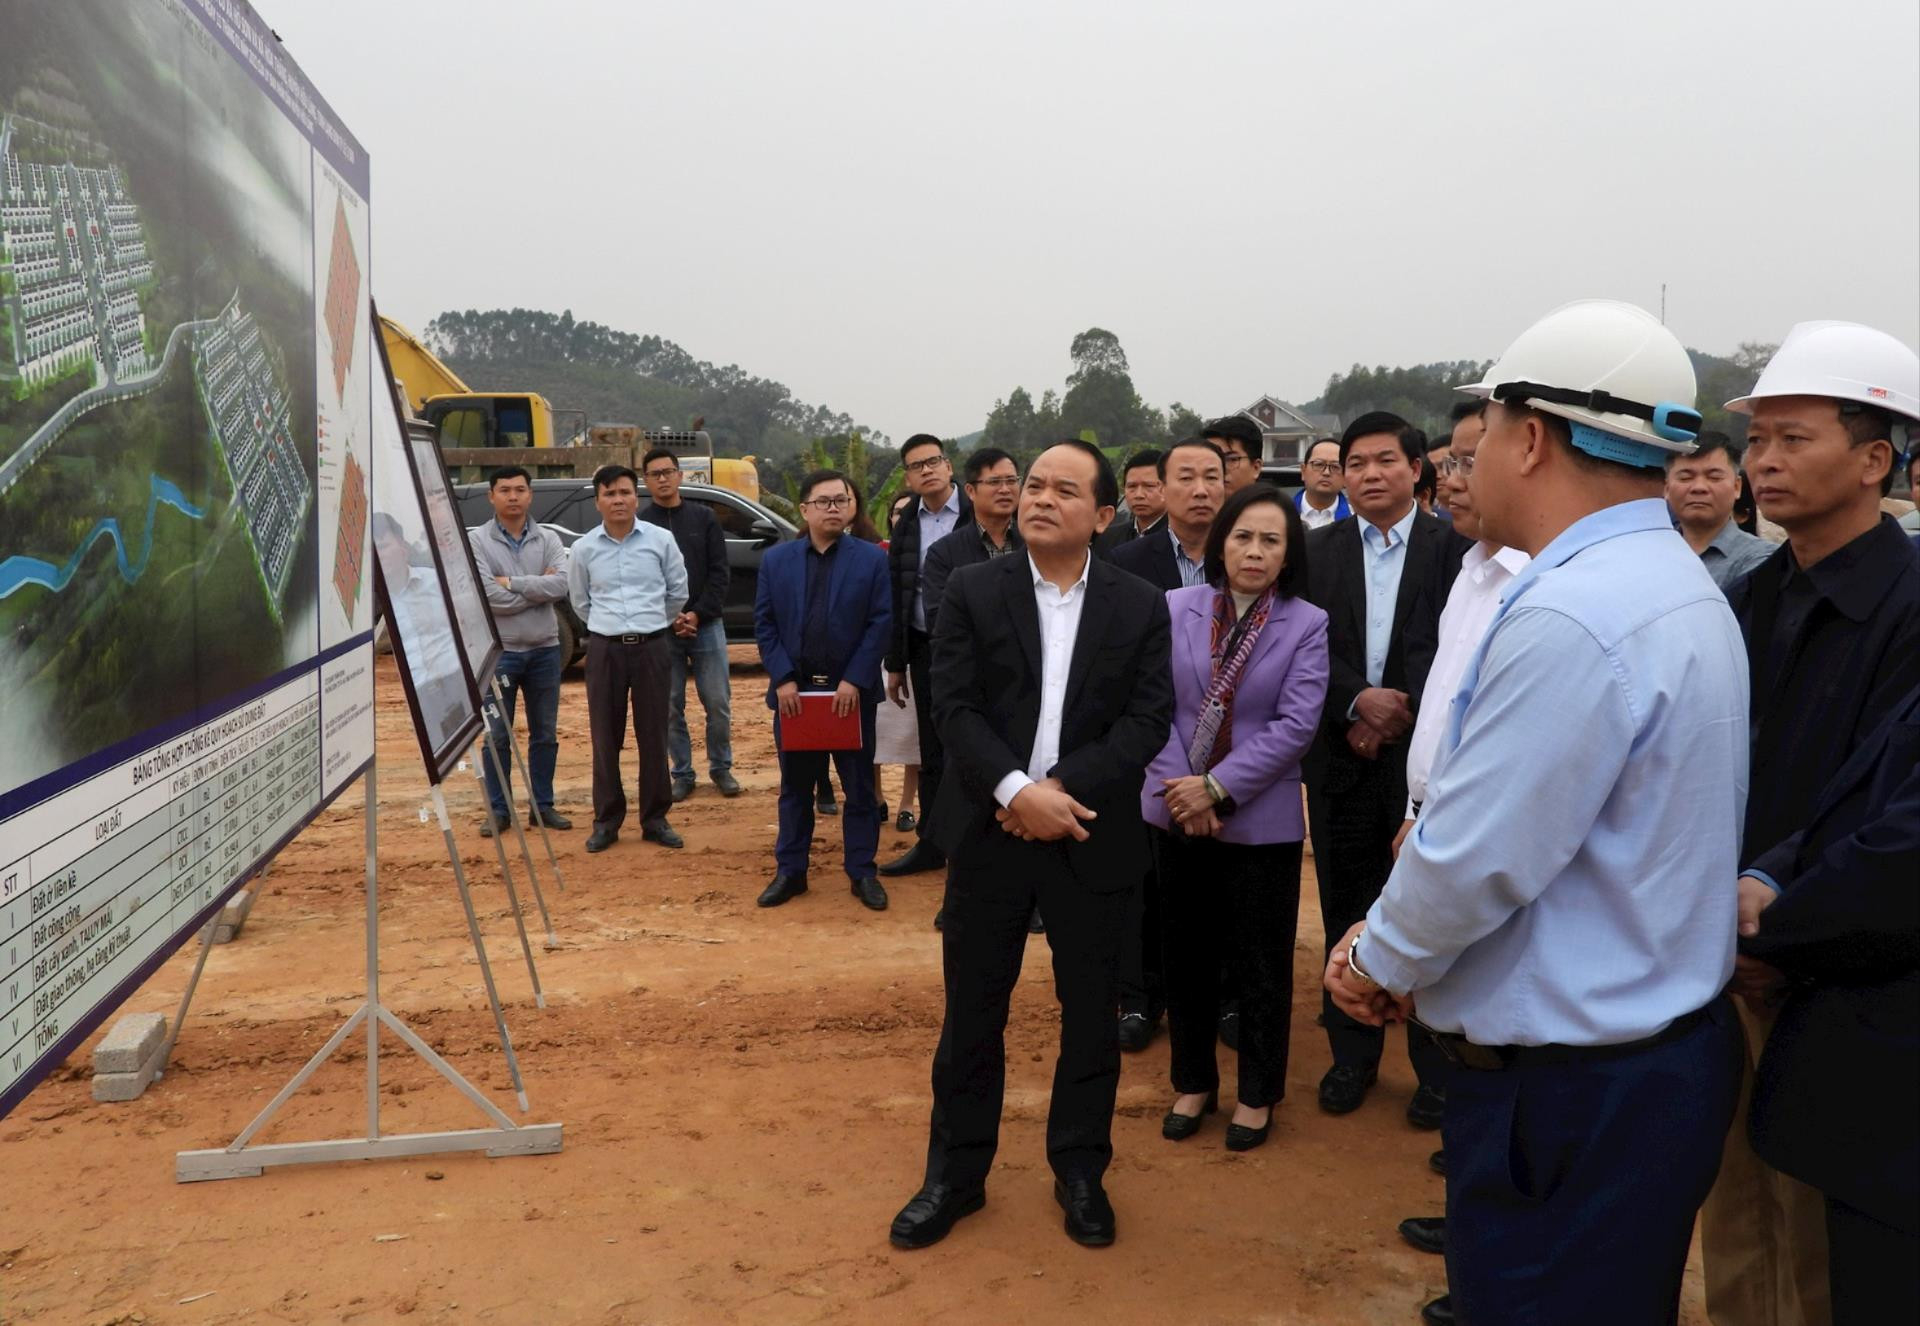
[(942, 508), (1322, 498)]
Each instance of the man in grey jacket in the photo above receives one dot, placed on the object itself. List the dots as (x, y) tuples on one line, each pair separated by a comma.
[(523, 566)]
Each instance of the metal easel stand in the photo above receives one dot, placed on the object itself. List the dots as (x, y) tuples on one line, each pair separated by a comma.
[(505, 1138), (526, 782), (513, 894)]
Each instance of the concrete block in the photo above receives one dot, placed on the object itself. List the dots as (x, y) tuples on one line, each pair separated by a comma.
[(111, 1087), (233, 917), (131, 1042)]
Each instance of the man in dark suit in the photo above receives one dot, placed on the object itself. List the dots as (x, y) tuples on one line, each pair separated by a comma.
[(1171, 555), (1838, 1087), (1193, 484), (941, 510), (821, 616), (1382, 577), (993, 491), (1052, 689)]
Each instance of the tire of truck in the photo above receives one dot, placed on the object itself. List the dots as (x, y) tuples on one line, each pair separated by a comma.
[(570, 649)]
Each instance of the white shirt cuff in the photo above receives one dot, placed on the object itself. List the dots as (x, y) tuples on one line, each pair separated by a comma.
[(1010, 787)]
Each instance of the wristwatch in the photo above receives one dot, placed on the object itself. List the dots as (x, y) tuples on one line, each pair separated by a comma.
[(1353, 960)]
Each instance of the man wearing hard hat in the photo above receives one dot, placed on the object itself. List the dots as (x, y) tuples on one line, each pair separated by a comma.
[(1560, 916), (1832, 627)]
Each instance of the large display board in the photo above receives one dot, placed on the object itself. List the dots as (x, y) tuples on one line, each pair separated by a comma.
[(186, 596)]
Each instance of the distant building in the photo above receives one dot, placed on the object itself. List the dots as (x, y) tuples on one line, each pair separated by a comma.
[(1287, 431)]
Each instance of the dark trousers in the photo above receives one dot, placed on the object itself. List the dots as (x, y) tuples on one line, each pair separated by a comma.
[(620, 677), (1238, 904), (1572, 1188), (920, 680), (1873, 1268), (802, 772), (1143, 977), (984, 940), (1353, 832), (537, 672)]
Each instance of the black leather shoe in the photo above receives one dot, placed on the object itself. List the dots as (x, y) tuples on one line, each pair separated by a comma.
[(1136, 1032), (1439, 1312), (825, 806), (782, 889), (1437, 1162), (659, 831), (868, 890), (1427, 1233), (1344, 1087), (1177, 1127), (552, 818), (495, 824), (1035, 926), (682, 788), (931, 1214), (1242, 1138), (1089, 1213), (601, 839), (940, 919), (725, 783), (922, 856), (1230, 1029), (1427, 1108), (904, 822)]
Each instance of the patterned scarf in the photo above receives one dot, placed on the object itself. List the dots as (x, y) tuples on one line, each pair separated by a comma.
[(1230, 646)]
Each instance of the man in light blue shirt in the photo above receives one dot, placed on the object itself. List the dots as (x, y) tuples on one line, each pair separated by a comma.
[(628, 582), (1559, 913)]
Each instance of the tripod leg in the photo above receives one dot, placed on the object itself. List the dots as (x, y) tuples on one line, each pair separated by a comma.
[(513, 894), (527, 779), (526, 853), (479, 947)]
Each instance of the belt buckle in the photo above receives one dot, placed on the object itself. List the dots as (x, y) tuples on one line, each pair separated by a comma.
[(632, 638)]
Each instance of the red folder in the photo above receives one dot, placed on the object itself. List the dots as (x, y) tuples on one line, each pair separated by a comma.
[(818, 727)]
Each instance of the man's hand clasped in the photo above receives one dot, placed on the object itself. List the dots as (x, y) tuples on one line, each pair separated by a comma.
[(1358, 997), (1045, 812), (1761, 984)]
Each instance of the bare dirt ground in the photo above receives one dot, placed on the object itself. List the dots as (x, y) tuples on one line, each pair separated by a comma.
[(745, 1100)]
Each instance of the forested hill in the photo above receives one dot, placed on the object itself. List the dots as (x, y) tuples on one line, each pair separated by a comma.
[(616, 376)]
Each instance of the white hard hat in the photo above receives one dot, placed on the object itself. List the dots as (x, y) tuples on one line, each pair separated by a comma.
[(1844, 361), (1610, 369)]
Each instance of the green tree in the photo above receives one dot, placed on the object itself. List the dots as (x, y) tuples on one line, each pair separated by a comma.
[(1182, 421)]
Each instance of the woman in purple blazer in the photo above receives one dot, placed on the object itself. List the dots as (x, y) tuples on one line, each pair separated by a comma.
[(1249, 677)]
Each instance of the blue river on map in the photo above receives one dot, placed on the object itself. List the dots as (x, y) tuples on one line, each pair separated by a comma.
[(21, 571)]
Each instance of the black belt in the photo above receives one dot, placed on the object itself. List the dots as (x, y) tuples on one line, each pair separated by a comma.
[(630, 638), (1463, 1053)]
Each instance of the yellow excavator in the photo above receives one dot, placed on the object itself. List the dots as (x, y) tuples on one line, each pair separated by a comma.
[(467, 420)]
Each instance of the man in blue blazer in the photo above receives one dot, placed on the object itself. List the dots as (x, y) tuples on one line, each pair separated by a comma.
[(821, 615)]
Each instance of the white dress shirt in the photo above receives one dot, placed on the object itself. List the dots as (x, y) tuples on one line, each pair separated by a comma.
[(1059, 628), (1471, 603)]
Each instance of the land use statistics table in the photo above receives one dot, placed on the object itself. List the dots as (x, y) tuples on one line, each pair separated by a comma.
[(166, 836)]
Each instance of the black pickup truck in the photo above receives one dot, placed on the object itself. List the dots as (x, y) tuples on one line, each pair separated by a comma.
[(567, 506)]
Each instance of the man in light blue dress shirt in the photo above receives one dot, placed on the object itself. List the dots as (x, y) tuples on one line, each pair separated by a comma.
[(1559, 915), (628, 582)]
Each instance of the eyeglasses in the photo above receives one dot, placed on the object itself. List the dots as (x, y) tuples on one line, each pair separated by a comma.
[(922, 466), (1324, 466), (829, 503), (1457, 465), (1235, 458), (1003, 481), (661, 474)]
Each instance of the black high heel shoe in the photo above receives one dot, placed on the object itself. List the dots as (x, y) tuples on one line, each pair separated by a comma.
[(1242, 1138), (1177, 1127)]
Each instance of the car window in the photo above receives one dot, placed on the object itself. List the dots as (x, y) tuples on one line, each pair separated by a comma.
[(570, 507), (735, 522)]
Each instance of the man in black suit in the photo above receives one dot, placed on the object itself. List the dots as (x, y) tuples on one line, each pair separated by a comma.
[(941, 510), (1052, 689), (1192, 475), (1836, 907), (993, 491), (1193, 483), (1382, 577)]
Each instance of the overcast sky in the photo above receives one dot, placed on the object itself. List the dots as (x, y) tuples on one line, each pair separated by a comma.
[(904, 210)]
